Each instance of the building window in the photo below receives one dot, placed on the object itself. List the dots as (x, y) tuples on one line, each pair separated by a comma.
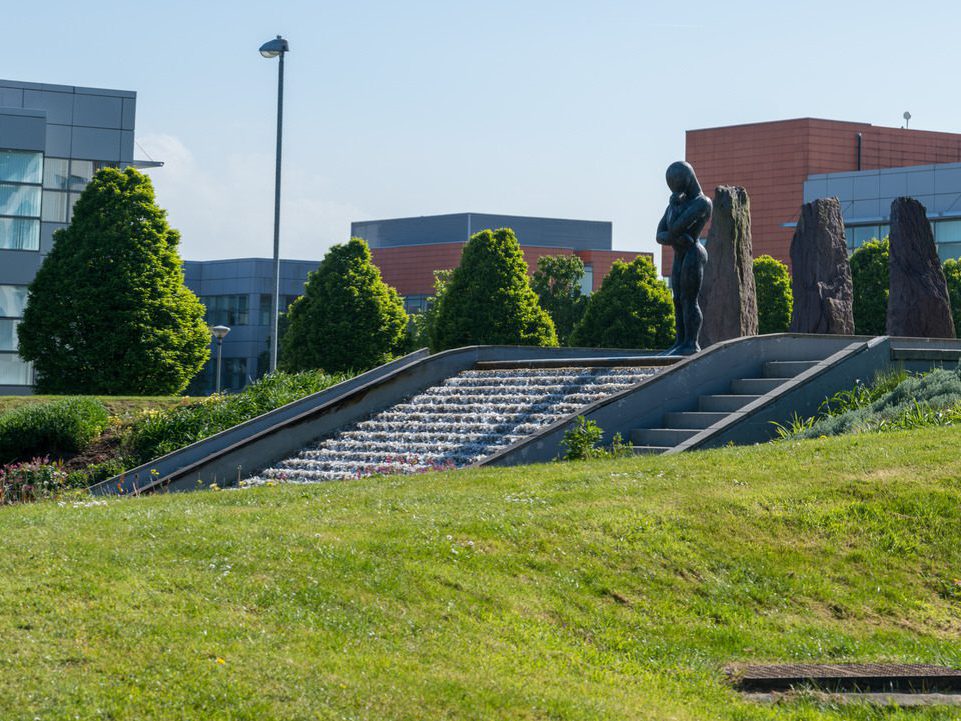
[(267, 306), (54, 207), (56, 173), (587, 281), (414, 304), (21, 166), (229, 310), (19, 234), (8, 334), (20, 200), (81, 172), (233, 375), (13, 371), (21, 173)]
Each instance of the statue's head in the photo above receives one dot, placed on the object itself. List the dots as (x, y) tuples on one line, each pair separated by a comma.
[(681, 178)]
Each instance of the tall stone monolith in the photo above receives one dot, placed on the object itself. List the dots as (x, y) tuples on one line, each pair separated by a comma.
[(918, 303), (821, 275), (728, 299)]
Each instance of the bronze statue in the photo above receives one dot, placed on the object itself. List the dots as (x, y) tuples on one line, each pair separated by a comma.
[(687, 213)]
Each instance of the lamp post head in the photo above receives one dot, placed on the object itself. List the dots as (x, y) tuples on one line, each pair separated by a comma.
[(220, 331), (275, 47)]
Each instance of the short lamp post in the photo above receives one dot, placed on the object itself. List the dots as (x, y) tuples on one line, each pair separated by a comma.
[(276, 48), (219, 331)]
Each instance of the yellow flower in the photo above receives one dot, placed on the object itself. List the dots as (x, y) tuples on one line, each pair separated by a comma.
[(220, 661)]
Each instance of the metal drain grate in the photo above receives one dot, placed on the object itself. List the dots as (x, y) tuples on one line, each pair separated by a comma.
[(847, 678)]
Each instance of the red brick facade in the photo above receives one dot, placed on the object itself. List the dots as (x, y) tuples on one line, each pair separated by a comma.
[(772, 161), (410, 268)]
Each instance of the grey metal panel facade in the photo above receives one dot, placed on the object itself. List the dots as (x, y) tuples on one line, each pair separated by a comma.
[(98, 111), (22, 129), (97, 143), (458, 227), (58, 141)]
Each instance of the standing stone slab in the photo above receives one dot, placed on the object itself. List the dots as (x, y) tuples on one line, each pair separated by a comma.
[(728, 298), (821, 275), (918, 303)]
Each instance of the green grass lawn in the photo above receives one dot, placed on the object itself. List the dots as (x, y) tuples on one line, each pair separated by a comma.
[(117, 405), (602, 590)]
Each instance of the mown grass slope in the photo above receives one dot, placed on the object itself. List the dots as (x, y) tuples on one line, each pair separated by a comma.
[(611, 589)]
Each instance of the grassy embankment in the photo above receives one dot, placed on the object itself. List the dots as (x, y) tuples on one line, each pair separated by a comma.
[(609, 589)]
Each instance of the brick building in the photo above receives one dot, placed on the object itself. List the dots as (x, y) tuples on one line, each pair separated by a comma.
[(773, 160), (409, 250)]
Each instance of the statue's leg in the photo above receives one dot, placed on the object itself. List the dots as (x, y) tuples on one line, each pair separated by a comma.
[(676, 270), (692, 274)]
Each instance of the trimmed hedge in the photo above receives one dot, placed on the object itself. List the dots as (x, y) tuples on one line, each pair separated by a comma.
[(51, 429)]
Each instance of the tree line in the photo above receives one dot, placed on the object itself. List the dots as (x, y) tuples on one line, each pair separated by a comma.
[(108, 312)]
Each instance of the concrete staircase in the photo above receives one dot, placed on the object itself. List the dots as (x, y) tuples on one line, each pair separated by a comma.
[(681, 426)]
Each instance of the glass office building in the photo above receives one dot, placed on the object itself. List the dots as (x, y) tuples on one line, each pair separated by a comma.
[(866, 196), (238, 293), (53, 138)]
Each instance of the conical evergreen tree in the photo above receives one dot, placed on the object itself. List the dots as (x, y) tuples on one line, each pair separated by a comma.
[(108, 311), (347, 318), (489, 300), (631, 309)]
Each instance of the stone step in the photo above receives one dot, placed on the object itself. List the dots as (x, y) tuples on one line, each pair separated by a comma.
[(669, 437), (693, 419), (724, 403), (755, 386), (785, 369), (649, 450)]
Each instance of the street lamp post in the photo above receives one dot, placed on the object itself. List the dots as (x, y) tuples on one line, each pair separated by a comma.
[(276, 48), (219, 331)]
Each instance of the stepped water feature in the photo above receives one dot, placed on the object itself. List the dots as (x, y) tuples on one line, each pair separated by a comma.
[(456, 423)]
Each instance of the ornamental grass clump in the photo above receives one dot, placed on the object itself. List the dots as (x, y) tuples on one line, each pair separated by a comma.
[(895, 401), (160, 432), (56, 428)]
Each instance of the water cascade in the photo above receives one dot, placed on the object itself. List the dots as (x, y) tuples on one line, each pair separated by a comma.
[(466, 418)]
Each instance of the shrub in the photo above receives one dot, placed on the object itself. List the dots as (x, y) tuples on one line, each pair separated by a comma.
[(55, 428), (158, 433), (108, 312), (632, 309), (423, 329), (488, 298), (347, 318), (952, 274), (583, 441), (31, 481), (557, 283), (869, 277), (775, 300)]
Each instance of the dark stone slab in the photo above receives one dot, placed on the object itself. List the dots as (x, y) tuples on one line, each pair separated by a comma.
[(821, 275), (909, 678), (728, 298), (918, 303)]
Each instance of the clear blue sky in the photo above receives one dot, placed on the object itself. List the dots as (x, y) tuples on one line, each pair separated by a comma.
[(532, 107)]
